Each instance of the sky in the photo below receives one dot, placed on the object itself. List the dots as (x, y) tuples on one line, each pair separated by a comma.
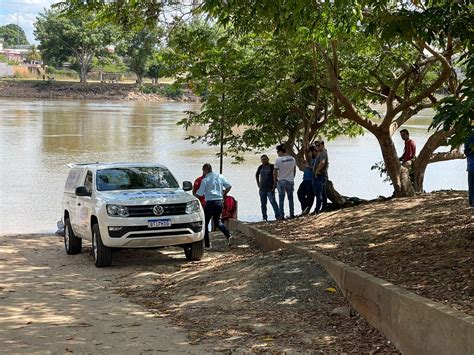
[(23, 12)]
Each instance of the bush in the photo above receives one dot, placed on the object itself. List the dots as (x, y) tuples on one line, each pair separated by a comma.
[(21, 72), (61, 73), (5, 59), (169, 91), (41, 85)]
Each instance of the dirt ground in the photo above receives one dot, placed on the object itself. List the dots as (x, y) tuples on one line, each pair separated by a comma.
[(53, 303), (424, 244), (236, 299)]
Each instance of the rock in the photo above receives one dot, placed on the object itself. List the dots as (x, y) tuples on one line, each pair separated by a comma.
[(342, 311)]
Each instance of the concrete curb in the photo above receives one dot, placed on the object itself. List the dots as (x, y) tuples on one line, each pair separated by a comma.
[(416, 325)]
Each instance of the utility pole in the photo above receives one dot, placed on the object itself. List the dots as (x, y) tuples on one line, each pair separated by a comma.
[(221, 155), (18, 28)]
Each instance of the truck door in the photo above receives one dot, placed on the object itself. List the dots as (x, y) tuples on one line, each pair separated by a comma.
[(83, 208), (73, 180)]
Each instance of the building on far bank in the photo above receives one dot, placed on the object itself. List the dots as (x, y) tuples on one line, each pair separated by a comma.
[(18, 55)]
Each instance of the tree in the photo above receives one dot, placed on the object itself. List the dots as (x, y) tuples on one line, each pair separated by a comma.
[(257, 91), (13, 35), (429, 34), (33, 54), (403, 55), (72, 39), (157, 65), (138, 46)]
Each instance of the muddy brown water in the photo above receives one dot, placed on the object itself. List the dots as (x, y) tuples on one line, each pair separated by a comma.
[(38, 138)]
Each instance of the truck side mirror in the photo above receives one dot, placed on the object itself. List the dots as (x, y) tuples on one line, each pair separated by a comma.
[(82, 191), (187, 185)]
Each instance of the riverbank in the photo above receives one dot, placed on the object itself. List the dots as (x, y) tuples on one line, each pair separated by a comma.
[(54, 90), (423, 244)]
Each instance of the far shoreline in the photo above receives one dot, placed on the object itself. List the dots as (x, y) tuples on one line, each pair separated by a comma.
[(94, 91)]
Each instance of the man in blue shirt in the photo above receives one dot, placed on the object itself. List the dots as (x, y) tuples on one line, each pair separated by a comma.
[(469, 152), (213, 187)]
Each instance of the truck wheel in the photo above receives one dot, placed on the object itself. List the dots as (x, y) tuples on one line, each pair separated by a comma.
[(194, 251), (72, 244), (102, 254)]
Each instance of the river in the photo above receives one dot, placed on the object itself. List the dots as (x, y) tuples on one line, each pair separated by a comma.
[(38, 138)]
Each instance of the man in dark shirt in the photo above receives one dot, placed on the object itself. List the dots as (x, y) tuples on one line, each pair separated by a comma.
[(266, 186)]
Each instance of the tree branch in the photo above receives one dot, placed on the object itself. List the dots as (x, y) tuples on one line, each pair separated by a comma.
[(438, 82), (350, 110), (443, 156)]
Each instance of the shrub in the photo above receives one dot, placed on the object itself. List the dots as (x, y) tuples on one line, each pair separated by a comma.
[(169, 91)]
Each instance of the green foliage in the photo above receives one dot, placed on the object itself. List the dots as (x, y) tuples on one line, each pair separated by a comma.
[(33, 54), (157, 65), (13, 35), (457, 112), (5, 59), (170, 91), (61, 73), (112, 63), (42, 85), (257, 91), (72, 39), (138, 47), (132, 15)]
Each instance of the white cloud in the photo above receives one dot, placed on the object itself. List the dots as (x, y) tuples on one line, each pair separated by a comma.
[(23, 12)]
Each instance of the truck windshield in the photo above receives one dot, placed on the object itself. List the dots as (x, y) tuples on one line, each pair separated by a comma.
[(135, 178)]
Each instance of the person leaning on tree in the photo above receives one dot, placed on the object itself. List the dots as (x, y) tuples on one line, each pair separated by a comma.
[(409, 150), (305, 190), (320, 177)]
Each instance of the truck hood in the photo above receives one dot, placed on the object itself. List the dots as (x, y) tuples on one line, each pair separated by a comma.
[(145, 197)]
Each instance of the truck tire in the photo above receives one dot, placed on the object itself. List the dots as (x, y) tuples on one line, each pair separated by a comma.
[(194, 251), (102, 254), (72, 244)]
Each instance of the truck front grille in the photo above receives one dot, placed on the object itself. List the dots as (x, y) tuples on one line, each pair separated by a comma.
[(173, 209)]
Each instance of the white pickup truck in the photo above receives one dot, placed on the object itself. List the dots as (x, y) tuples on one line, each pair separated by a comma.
[(129, 205)]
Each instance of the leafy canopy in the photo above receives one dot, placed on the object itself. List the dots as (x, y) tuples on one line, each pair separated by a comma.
[(72, 39), (13, 35)]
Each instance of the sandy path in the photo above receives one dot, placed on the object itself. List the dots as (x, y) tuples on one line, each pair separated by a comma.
[(54, 303)]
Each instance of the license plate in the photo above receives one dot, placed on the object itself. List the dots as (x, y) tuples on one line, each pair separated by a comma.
[(153, 223)]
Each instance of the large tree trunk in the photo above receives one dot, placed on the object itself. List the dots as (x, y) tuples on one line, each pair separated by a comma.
[(427, 155), (399, 175), (83, 74), (335, 197)]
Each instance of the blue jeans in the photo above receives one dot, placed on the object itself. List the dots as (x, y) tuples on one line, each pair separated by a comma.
[(270, 195), (286, 187), (319, 188), (470, 184)]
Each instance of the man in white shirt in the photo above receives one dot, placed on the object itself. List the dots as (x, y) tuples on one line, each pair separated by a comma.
[(285, 171)]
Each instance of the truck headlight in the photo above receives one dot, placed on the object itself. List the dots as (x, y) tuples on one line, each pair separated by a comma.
[(117, 211), (193, 206)]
